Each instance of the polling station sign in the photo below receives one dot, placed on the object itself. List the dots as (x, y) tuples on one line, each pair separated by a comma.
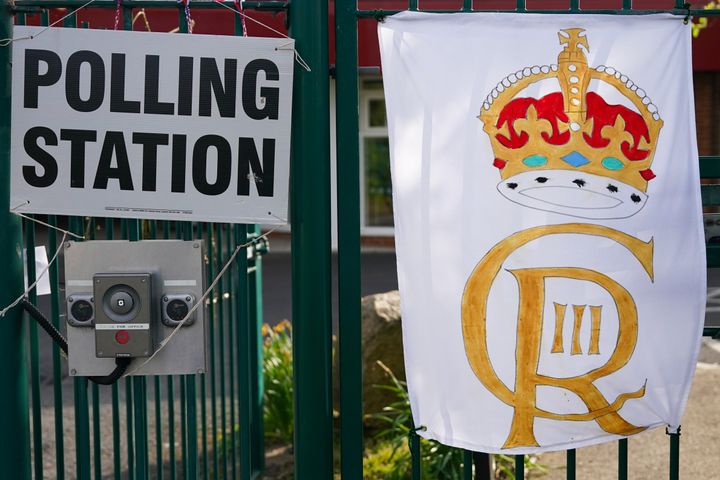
[(151, 125)]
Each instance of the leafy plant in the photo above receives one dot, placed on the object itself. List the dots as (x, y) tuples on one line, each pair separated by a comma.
[(437, 460), (389, 456), (278, 369)]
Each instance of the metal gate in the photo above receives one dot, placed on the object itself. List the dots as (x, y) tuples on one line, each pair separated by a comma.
[(207, 425), (216, 418), (347, 16)]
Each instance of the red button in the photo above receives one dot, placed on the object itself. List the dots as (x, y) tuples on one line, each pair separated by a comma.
[(122, 337)]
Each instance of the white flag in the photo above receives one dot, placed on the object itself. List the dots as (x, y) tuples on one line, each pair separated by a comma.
[(548, 224)]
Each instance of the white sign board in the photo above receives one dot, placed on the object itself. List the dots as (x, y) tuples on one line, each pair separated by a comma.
[(151, 125)]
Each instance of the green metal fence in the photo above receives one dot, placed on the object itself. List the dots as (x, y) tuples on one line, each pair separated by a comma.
[(171, 427), (197, 415), (347, 16)]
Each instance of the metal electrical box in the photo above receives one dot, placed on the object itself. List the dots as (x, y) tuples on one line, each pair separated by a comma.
[(125, 298), (125, 313)]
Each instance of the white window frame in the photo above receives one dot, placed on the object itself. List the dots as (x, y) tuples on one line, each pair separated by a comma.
[(366, 131)]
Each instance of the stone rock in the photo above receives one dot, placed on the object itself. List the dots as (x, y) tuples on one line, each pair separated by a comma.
[(381, 340)]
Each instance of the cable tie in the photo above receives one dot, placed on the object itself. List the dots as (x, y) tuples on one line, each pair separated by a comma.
[(687, 7), (118, 6), (37, 280)]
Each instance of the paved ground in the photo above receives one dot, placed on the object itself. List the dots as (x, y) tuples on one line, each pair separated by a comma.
[(649, 451)]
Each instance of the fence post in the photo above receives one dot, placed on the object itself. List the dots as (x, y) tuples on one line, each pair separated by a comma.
[(310, 214), (14, 442), (348, 225)]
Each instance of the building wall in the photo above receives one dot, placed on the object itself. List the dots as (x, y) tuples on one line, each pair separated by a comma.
[(707, 111)]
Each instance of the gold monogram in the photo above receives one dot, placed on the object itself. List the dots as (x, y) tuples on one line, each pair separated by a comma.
[(531, 283)]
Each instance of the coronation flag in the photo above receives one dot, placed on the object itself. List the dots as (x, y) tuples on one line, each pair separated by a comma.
[(548, 224)]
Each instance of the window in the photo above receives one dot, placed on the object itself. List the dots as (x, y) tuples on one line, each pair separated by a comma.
[(376, 190)]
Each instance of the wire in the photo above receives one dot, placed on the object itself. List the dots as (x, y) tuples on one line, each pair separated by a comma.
[(298, 57), (7, 41), (201, 300), (40, 222), (121, 363), (33, 311)]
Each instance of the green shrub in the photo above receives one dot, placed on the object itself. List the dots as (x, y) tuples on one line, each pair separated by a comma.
[(388, 456), (278, 370)]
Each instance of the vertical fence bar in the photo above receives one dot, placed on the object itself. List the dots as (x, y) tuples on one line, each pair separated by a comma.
[(467, 5), (348, 225), (139, 396), (114, 389), (674, 454), (412, 5), (191, 402), (310, 202), (97, 452), (221, 350), (170, 386), (149, 231), (520, 6), (415, 455), (244, 340), (212, 341), (95, 392), (519, 467), (575, 6), (183, 424), (255, 320), (623, 459), (54, 278), (483, 466), (14, 443), (125, 233), (171, 427), (141, 443), (129, 429), (34, 354), (80, 384), (627, 4), (192, 450), (467, 465), (203, 387), (159, 470), (203, 426), (232, 320), (571, 461)]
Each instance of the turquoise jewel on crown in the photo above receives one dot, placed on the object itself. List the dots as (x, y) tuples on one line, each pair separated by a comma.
[(535, 161)]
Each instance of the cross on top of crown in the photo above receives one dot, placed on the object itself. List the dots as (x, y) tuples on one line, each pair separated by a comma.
[(572, 39)]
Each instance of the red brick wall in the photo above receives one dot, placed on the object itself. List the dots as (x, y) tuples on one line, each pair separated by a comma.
[(707, 112)]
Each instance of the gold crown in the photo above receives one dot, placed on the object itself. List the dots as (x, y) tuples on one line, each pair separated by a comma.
[(573, 129)]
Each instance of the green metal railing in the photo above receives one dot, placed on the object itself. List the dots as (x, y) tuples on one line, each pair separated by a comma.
[(217, 433), (197, 414), (234, 400), (347, 16)]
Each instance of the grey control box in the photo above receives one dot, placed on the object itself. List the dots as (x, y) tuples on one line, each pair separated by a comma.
[(125, 313), (125, 298)]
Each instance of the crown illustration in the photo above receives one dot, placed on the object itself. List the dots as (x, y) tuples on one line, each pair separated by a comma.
[(570, 151)]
